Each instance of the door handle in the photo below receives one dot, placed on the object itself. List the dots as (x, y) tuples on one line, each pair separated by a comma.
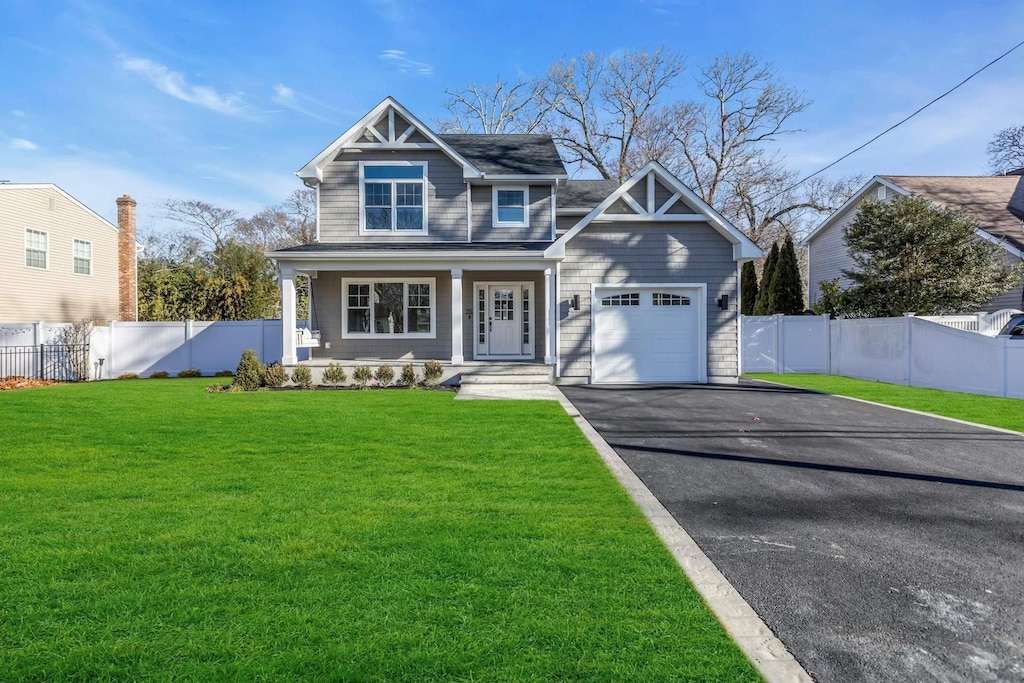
[(490, 323)]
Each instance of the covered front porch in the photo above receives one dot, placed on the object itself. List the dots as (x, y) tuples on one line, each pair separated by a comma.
[(467, 311)]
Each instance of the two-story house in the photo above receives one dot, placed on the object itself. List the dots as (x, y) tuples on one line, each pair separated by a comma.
[(60, 261), (475, 249)]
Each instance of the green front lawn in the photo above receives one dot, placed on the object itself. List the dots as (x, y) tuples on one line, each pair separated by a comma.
[(1007, 413), (149, 530)]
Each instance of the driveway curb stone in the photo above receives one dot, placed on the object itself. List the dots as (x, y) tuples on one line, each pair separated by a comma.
[(769, 656)]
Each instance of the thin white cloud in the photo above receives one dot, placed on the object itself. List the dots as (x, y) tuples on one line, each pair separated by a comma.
[(176, 85), (389, 10), (400, 59), (22, 143), (18, 113), (296, 101)]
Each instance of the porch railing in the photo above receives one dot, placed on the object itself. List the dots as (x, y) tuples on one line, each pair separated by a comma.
[(58, 362)]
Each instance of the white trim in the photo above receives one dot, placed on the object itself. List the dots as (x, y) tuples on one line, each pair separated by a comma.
[(532, 178), (633, 204), (555, 316), (469, 212), (702, 321), (485, 285), (73, 257), (456, 329), (663, 211), (52, 186), (743, 247), (46, 251), (289, 355), (313, 170), (444, 256), (317, 212), (549, 309), (425, 182), (650, 193), (553, 197), (495, 222), (405, 281)]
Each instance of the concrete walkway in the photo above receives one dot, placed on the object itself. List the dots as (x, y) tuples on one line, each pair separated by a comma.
[(508, 392)]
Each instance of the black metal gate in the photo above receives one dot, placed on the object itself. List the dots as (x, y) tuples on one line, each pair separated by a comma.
[(58, 362)]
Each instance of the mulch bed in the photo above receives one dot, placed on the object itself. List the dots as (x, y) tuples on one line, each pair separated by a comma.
[(9, 383)]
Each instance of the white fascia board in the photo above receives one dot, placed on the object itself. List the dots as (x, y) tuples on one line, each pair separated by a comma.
[(387, 262), (313, 169), (857, 196), (426, 255), (747, 248), (538, 178), (989, 237)]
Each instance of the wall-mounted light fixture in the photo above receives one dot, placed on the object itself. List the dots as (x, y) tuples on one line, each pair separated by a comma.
[(574, 302), (723, 302)]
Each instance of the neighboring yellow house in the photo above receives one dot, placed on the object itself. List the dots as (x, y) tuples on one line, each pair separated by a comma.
[(60, 261)]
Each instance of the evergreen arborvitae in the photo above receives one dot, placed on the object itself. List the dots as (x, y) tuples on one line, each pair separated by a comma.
[(787, 295), (748, 288), (762, 303)]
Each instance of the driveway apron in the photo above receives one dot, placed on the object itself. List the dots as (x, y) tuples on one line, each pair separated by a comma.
[(879, 545)]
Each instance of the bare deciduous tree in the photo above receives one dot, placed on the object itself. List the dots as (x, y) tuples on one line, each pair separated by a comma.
[(287, 224), (1006, 150), (495, 108), (212, 224)]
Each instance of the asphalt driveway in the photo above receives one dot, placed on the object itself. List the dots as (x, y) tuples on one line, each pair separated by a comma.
[(879, 545)]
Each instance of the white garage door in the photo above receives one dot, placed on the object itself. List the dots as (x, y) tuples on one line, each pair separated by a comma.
[(647, 334)]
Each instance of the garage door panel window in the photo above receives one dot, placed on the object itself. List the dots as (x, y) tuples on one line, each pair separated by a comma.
[(662, 299), (630, 299)]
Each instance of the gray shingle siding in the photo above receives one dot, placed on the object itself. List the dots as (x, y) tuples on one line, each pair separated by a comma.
[(327, 299), (642, 253), (339, 198), (540, 216)]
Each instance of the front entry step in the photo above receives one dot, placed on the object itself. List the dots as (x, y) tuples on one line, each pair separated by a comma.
[(508, 373)]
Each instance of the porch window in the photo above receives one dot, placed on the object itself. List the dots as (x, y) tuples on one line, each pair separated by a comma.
[(393, 197), (510, 207), (389, 308)]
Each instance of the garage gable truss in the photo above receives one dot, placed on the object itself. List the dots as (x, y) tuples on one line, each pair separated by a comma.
[(637, 201)]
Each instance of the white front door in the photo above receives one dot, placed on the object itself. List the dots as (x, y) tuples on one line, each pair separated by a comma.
[(504, 320)]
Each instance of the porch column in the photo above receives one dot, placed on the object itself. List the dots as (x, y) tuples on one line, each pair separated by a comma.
[(551, 306), (457, 358), (288, 355)]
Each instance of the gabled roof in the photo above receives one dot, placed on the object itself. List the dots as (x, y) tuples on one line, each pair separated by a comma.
[(314, 169), (996, 201), (510, 154), (59, 190), (743, 247)]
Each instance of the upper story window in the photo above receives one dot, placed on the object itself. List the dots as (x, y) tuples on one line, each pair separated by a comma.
[(393, 197), (36, 248), (510, 207), (83, 257)]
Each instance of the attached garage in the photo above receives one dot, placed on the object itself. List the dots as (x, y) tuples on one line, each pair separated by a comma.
[(649, 333)]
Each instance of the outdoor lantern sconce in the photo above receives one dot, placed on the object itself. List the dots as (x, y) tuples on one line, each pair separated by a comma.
[(723, 302), (574, 302)]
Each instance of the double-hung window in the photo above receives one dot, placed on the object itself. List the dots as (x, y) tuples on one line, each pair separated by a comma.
[(83, 257), (36, 249), (389, 308), (393, 197), (511, 207)]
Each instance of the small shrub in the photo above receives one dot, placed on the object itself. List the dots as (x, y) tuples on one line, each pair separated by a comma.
[(127, 375), (334, 374), (224, 373), (432, 371), (193, 372), (302, 376), (160, 374), (217, 388), (384, 376), (251, 372), (409, 375), (362, 374), (276, 375)]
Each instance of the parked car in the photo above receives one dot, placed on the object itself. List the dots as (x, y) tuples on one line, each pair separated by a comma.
[(1014, 327)]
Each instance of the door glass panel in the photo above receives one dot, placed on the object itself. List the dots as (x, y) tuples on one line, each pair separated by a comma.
[(504, 304)]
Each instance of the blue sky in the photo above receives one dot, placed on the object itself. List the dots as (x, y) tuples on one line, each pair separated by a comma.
[(224, 101)]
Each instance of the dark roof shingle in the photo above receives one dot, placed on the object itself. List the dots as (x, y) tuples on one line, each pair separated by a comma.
[(585, 194), (509, 154)]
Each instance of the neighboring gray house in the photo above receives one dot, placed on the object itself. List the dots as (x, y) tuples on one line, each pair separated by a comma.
[(996, 201), (478, 249)]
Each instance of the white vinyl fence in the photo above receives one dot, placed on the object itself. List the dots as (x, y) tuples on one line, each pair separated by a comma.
[(144, 347), (907, 350)]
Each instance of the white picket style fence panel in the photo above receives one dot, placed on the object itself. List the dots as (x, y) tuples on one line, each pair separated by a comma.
[(910, 350), (147, 347)]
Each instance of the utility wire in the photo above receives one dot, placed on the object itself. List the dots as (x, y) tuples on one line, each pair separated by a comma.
[(900, 123)]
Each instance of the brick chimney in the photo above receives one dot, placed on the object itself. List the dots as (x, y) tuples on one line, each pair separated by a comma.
[(127, 286)]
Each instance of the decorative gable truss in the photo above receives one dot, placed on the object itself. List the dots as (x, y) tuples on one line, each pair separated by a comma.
[(388, 126), (654, 195)]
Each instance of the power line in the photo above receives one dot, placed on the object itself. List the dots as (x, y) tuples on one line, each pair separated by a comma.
[(901, 122)]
